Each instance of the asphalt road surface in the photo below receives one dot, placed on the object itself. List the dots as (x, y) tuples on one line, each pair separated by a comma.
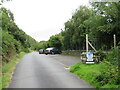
[(46, 71)]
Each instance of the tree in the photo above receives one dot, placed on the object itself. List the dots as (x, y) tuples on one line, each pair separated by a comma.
[(42, 45), (14, 40), (101, 22), (54, 41), (106, 23), (75, 30)]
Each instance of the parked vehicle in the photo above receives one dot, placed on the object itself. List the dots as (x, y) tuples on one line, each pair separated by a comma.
[(52, 51), (41, 51)]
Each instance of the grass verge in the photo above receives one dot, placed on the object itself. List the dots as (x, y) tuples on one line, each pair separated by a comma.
[(7, 70), (0, 82), (101, 75)]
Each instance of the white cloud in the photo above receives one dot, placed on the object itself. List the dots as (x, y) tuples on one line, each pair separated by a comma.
[(43, 18)]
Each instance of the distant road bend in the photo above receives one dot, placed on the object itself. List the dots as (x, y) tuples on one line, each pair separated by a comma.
[(46, 71)]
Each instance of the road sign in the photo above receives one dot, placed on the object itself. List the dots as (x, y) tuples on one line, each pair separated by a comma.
[(89, 56)]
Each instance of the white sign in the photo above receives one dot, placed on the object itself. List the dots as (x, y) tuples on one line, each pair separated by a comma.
[(89, 56)]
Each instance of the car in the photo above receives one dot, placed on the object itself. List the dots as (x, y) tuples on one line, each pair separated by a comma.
[(52, 51), (41, 51)]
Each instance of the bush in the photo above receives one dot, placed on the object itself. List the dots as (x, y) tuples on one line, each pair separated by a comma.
[(9, 46), (110, 68), (113, 57), (108, 74)]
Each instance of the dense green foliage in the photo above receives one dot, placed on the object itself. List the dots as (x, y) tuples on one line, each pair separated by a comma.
[(100, 22), (55, 41), (42, 45), (102, 75), (114, 56), (75, 30), (14, 40)]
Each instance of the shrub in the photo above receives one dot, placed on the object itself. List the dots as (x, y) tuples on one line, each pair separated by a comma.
[(108, 74), (113, 57), (9, 46)]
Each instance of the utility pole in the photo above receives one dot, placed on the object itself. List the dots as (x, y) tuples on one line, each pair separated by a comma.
[(114, 36), (86, 43)]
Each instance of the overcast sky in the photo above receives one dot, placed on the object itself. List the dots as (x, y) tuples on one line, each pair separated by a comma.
[(43, 18)]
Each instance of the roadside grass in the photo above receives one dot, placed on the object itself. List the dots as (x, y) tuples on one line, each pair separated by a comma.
[(0, 72), (94, 74), (8, 68), (0, 82)]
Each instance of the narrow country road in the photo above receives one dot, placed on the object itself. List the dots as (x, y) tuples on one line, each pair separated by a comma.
[(46, 71)]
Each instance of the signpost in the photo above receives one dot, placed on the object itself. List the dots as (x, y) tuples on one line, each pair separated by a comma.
[(86, 42), (89, 54), (114, 36)]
